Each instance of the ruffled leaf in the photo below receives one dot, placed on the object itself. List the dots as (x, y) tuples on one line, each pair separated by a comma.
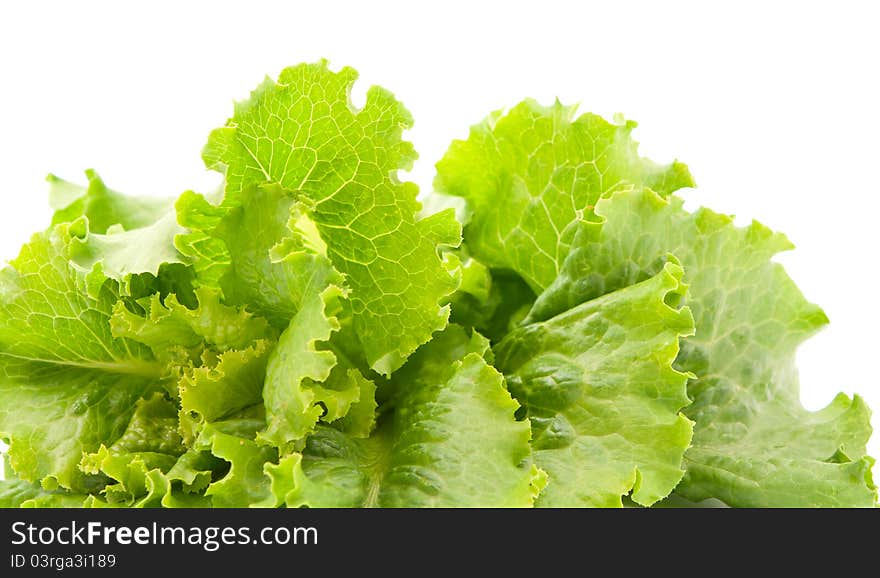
[(67, 385), (447, 401), (303, 134), (598, 385), (754, 443), (531, 175)]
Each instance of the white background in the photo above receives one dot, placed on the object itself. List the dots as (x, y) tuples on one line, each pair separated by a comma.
[(775, 106)]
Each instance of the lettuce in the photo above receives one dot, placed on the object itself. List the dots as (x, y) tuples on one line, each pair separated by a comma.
[(604, 401), (309, 336), (754, 444)]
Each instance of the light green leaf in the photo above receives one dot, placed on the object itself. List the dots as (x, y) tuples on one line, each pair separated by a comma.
[(152, 429), (754, 443), (168, 324), (215, 354), (102, 206), (138, 460), (273, 267), (132, 238), (194, 471), (447, 403), (209, 254), (57, 500), (67, 385), (305, 379), (130, 252), (604, 401), (52, 415), (178, 499), (15, 492), (358, 419), (138, 477), (531, 175), (53, 312), (227, 384), (476, 279), (303, 134), (245, 484)]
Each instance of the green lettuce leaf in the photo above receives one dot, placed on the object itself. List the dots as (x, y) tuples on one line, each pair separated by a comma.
[(598, 385), (138, 460), (208, 253), (67, 385), (339, 163), (103, 207), (308, 380), (13, 493), (226, 384), (163, 325), (449, 439), (245, 484), (531, 175), (131, 237), (215, 355), (274, 267), (194, 471), (123, 253), (754, 444)]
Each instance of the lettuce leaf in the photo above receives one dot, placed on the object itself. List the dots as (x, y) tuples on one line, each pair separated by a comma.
[(339, 163), (447, 403), (754, 444), (138, 460), (293, 396), (67, 384), (597, 383), (547, 169), (123, 253), (245, 483), (215, 355), (20, 494), (103, 207), (15, 493), (273, 269)]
